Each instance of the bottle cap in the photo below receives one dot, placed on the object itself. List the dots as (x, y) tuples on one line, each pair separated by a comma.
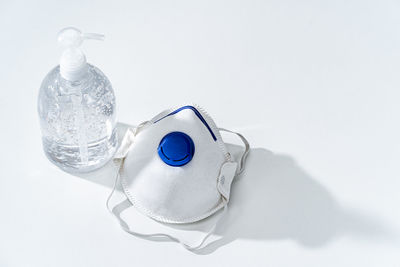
[(73, 64)]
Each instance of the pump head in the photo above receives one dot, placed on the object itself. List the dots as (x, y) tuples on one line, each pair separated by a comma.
[(73, 64)]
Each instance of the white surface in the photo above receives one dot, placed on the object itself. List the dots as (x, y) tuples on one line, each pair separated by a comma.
[(315, 82)]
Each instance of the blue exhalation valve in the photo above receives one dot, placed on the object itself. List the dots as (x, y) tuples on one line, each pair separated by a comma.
[(176, 149)]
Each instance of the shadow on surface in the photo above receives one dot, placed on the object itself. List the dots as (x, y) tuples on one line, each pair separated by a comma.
[(275, 199)]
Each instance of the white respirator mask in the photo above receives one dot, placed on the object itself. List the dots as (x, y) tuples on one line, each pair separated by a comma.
[(176, 169)]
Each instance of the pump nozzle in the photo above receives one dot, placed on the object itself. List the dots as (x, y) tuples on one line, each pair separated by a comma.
[(73, 37), (73, 63), (93, 36)]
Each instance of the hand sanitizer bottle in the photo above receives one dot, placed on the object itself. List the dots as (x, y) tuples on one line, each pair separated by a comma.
[(77, 109)]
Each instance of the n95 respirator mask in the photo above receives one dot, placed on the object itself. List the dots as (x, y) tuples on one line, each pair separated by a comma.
[(176, 169)]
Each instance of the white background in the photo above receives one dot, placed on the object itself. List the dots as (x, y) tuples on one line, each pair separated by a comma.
[(314, 86)]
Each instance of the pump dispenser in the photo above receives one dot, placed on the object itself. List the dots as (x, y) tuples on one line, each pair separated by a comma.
[(77, 109), (73, 64)]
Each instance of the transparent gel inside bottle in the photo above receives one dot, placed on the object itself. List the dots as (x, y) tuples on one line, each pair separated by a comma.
[(77, 112)]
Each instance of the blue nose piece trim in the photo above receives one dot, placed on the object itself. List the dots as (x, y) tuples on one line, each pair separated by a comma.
[(176, 149)]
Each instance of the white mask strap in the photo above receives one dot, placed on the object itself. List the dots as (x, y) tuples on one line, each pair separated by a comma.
[(161, 236), (246, 150)]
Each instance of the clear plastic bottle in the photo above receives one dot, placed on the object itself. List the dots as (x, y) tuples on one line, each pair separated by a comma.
[(77, 110)]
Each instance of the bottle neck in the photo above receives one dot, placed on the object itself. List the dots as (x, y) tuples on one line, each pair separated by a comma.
[(75, 85), (74, 74), (73, 64)]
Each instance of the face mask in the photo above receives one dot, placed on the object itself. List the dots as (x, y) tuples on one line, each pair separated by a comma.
[(176, 169)]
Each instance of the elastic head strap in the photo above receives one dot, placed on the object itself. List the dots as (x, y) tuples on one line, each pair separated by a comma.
[(243, 158), (161, 236)]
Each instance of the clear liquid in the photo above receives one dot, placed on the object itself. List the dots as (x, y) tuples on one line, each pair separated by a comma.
[(78, 121), (67, 157)]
